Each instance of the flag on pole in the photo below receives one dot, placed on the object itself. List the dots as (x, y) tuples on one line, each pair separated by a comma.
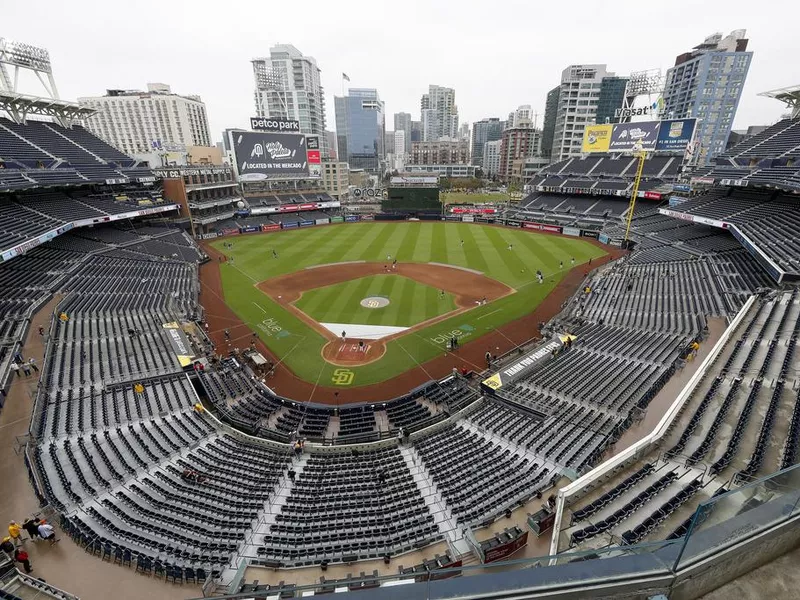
[(344, 76)]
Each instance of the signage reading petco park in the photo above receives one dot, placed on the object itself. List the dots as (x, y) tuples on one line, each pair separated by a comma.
[(274, 124)]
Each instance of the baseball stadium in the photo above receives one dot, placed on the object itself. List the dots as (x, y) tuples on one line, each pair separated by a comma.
[(221, 381)]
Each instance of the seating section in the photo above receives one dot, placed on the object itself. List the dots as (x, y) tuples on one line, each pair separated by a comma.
[(740, 424), (37, 146), (350, 506), (477, 477), (770, 220)]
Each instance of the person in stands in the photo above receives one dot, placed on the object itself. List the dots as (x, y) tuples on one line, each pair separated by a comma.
[(22, 557), (47, 532), (31, 526), (7, 546), (15, 532)]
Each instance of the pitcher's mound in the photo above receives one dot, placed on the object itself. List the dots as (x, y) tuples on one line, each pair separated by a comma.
[(353, 352)]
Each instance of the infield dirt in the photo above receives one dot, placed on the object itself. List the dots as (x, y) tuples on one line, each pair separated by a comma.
[(471, 355)]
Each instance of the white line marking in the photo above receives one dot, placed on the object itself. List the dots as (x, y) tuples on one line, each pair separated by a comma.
[(487, 314)]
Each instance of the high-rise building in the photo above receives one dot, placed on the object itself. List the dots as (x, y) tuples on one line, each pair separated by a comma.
[(517, 143), (577, 107), (388, 143), (442, 152), (330, 138), (463, 132), (288, 85), (399, 142), (141, 123), (521, 116), (485, 130), (402, 122), (707, 83), (439, 114), (550, 114), (612, 95), (360, 129), (491, 157), (416, 132)]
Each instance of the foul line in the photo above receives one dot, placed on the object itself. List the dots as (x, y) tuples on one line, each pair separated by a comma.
[(487, 314)]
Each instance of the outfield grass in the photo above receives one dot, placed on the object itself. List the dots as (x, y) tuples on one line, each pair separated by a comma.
[(410, 302), (485, 249), (464, 198)]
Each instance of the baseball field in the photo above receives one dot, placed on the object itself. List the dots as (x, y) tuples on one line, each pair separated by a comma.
[(358, 304)]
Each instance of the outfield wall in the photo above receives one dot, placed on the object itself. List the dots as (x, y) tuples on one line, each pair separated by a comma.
[(479, 219)]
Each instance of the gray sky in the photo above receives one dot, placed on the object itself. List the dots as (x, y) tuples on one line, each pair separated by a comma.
[(497, 55)]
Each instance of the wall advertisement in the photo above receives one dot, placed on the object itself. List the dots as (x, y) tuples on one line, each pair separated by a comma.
[(596, 138), (263, 155)]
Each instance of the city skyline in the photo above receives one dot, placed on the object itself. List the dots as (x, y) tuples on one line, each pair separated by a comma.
[(88, 58)]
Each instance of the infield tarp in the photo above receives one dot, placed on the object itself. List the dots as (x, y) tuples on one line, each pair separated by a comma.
[(260, 155), (625, 135)]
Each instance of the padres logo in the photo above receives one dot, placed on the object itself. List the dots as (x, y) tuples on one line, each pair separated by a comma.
[(343, 377)]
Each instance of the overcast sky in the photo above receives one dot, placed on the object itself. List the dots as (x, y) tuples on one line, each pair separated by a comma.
[(497, 55)]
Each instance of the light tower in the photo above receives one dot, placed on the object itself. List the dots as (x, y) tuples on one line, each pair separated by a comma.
[(648, 83), (17, 57)]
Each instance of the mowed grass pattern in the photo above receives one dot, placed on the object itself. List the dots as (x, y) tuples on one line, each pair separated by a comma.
[(485, 249), (410, 302)]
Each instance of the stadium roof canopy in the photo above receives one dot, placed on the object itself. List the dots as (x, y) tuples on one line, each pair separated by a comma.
[(789, 96), (19, 106)]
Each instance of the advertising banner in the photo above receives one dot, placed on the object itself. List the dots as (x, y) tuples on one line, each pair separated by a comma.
[(675, 134), (542, 227), (367, 217), (468, 219), (180, 343), (274, 124), (351, 218), (624, 136), (677, 200), (522, 366), (574, 231), (469, 210), (337, 219), (652, 196), (264, 155), (230, 231), (306, 223), (322, 221), (452, 218), (596, 138), (513, 223), (274, 227), (250, 229), (603, 238), (589, 234), (209, 236), (682, 187), (479, 219), (289, 225)]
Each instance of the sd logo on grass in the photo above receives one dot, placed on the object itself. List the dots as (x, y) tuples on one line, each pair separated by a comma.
[(343, 377)]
